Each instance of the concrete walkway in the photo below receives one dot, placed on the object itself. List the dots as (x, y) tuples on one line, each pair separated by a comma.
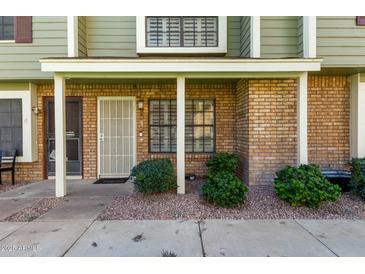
[(183, 238)]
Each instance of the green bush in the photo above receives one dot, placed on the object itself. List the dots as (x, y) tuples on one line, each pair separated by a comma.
[(224, 189), (305, 185), (222, 162), (153, 176), (358, 176)]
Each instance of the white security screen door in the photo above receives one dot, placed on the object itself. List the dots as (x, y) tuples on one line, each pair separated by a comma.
[(116, 136)]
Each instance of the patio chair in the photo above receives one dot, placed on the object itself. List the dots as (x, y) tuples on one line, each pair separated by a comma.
[(7, 164)]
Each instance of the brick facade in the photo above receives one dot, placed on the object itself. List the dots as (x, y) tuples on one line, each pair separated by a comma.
[(328, 121), (256, 118), (266, 127), (224, 95)]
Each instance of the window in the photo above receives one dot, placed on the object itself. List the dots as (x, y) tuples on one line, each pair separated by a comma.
[(182, 31), (162, 125), (181, 35), (11, 129), (6, 28), (18, 121), (199, 125)]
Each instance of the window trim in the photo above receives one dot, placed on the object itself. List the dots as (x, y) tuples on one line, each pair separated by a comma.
[(186, 152), (143, 49), (30, 153)]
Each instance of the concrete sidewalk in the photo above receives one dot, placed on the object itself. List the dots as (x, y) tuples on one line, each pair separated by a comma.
[(184, 238)]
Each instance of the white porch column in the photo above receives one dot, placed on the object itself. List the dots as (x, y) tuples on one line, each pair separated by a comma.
[(180, 135), (302, 104), (60, 134), (357, 117)]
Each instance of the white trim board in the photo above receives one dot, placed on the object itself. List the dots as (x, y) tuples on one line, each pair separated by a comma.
[(180, 65), (72, 36), (309, 36), (142, 48), (255, 37)]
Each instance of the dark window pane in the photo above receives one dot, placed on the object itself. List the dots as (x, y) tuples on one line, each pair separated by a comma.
[(208, 118), (198, 118), (11, 125), (198, 105), (198, 139), (165, 118), (208, 105), (173, 139), (154, 133), (6, 27), (155, 145)]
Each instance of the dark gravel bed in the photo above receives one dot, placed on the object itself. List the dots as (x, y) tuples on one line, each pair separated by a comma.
[(8, 186), (261, 203), (31, 213)]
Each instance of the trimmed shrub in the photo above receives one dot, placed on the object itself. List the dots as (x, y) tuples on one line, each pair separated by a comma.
[(224, 189), (305, 185), (223, 162), (358, 176), (154, 176)]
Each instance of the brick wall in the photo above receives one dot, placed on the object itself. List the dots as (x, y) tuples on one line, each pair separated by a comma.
[(195, 163), (242, 124), (272, 127), (266, 127), (328, 121), (255, 118)]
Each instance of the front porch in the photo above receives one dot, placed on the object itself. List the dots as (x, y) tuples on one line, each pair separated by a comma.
[(180, 76)]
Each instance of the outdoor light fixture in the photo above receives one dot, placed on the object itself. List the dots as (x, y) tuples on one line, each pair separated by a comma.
[(140, 104), (35, 110)]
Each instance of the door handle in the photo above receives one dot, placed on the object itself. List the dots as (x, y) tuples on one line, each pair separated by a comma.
[(101, 137)]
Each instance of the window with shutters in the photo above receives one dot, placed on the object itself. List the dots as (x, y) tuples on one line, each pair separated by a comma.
[(181, 34), (199, 126), (182, 31), (6, 28)]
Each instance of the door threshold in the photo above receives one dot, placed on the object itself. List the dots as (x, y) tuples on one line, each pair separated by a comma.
[(71, 177)]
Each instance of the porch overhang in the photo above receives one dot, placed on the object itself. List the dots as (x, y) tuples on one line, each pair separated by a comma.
[(171, 68)]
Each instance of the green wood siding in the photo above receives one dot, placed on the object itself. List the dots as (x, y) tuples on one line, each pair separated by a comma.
[(245, 36), (111, 36), (116, 36), (233, 36), (340, 42), (279, 36), (21, 60), (82, 36)]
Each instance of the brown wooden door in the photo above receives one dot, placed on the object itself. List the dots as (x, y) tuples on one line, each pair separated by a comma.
[(73, 136)]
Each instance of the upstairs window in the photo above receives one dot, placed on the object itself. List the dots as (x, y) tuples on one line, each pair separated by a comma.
[(182, 31), (6, 28), (175, 35)]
